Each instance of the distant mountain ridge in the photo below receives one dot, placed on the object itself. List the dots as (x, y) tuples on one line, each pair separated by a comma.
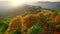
[(48, 5)]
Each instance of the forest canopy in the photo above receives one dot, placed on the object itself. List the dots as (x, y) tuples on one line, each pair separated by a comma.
[(35, 20)]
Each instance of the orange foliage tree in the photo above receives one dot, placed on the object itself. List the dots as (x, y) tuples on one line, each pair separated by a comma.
[(15, 25)]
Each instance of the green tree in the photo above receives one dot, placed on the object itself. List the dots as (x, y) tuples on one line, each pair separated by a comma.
[(35, 29)]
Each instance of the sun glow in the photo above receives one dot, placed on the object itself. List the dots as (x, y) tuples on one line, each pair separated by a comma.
[(20, 2), (16, 2)]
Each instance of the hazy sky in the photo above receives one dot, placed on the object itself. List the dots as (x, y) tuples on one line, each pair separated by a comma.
[(34, 0), (42, 0), (6, 4)]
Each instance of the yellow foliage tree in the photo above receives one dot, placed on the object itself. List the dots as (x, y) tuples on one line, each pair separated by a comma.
[(15, 25)]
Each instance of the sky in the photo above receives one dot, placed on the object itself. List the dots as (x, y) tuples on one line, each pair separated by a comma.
[(17, 2), (6, 4), (33, 0)]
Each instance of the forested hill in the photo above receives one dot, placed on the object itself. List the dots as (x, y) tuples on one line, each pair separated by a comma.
[(48, 5)]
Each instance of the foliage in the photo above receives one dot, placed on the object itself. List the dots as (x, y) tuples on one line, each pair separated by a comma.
[(35, 20), (15, 25), (4, 23), (35, 29)]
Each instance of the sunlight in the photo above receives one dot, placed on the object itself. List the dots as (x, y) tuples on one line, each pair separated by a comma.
[(16, 2)]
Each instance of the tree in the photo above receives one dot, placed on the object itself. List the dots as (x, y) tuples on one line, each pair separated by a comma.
[(35, 29), (15, 25)]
